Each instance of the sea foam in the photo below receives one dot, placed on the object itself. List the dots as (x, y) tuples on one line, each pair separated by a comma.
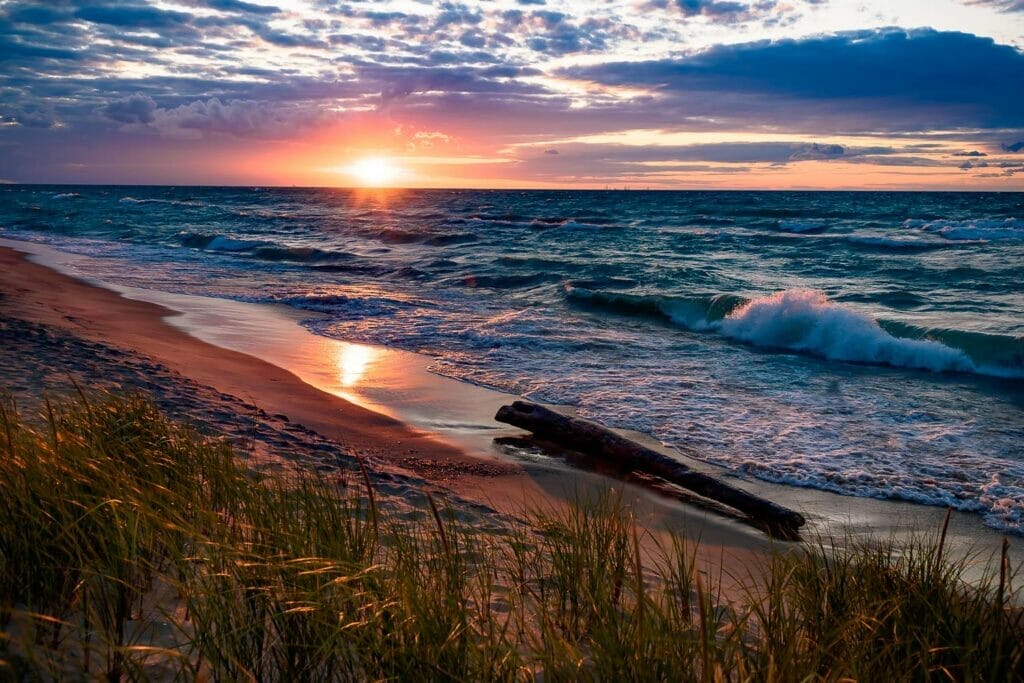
[(907, 243), (652, 332), (261, 249), (807, 321), (989, 229)]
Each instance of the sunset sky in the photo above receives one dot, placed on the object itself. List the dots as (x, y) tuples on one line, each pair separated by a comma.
[(872, 94)]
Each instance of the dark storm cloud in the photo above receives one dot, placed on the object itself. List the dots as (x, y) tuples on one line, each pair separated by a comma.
[(611, 160), (1001, 5), (91, 37), (400, 82), (457, 14), (890, 76), (183, 89), (18, 51), (377, 18), (135, 109), (777, 153), (238, 118), (363, 41), (897, 160), (240, 6), (473, 39), (718, 11), (285, 39), (29, 116), (34, 14), (818, 151), (132, 16), (70, 68), (127, 22), (247, 109), (556, 33)]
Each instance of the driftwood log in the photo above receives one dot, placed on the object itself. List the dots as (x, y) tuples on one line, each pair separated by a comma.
[(628, 456)]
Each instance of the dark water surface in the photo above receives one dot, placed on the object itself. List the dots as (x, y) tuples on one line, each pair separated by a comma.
[(866, 343)]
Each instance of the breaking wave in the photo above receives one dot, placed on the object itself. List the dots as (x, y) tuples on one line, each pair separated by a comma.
[(808, 322), (343, 306), (625, 306), (174, 202), (263, 250), (989, 229)]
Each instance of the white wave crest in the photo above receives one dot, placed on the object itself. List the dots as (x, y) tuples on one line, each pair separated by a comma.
[(805, 320), (221, 243), (907, 243), (990, 229), (175, 202)]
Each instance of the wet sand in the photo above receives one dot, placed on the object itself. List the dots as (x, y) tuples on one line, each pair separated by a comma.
[(385, 404), (42, 295), (459, 458)]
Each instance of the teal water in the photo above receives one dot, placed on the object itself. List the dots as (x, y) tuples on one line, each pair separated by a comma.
[(870, 344)]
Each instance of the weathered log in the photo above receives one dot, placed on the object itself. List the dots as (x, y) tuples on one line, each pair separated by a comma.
[(628, 456), (648, 481)]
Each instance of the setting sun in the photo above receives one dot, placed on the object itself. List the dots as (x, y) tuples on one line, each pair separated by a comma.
[(374, 171)]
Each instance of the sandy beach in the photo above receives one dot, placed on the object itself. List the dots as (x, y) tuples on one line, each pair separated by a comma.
[(511, 341), (435, 443), (58, 326), (40, 295), (384, 408)]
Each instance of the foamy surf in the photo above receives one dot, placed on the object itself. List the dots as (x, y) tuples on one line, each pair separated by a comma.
[(802, 227), (808, 322), (988, 229), (910, 243), (878, 389)]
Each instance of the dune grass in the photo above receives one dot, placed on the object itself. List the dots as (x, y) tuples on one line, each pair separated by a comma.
[(132, 548)]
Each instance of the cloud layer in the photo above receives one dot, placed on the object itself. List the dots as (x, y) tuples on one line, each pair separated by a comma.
[(531, 84)]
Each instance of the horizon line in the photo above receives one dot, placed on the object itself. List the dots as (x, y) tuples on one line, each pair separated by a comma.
[(358, 188)]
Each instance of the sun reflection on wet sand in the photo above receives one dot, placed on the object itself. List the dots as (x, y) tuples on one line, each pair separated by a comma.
[(353, 360)]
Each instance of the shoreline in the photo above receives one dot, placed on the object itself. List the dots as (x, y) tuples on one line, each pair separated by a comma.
[(40, 294), (95, 312), (391, 410)]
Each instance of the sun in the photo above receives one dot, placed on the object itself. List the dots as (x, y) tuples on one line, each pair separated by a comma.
[(375, 171)]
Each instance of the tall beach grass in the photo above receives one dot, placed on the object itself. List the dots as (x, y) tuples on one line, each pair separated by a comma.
[(132, 548)]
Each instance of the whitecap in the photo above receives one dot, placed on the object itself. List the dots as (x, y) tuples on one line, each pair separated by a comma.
[(989, 229), (807, 321)]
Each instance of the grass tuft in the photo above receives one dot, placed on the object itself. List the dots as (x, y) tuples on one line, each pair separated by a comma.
[(132, 548)]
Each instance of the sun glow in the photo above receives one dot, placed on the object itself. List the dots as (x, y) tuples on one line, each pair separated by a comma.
[(375, 171), (353, 361)]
